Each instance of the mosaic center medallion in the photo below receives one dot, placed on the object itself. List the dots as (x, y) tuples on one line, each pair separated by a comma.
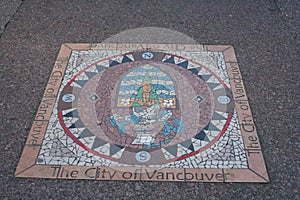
[(144, 112)]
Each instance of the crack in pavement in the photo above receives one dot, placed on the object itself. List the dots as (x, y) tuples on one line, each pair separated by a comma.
[(11, 16), (274, 7)]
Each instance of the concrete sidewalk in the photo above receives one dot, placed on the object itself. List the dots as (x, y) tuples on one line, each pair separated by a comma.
[(265, 35)]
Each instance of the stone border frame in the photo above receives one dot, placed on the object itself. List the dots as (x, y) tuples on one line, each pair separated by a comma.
[(27, 166)]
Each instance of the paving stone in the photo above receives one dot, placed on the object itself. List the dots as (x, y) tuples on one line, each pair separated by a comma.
[(144, 115)]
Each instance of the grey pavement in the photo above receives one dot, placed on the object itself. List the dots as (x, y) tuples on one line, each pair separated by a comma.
[(8, 9), (265, 35)]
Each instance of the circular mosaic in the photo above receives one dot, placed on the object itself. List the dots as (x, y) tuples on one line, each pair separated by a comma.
[(146, 108)]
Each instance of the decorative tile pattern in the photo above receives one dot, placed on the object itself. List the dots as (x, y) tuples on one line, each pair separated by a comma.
[(144, 112)]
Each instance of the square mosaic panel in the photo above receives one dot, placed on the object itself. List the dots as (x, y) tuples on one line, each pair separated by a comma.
[(153, 112)]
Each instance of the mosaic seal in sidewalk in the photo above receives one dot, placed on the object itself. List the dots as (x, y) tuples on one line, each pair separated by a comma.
[(154, 112)]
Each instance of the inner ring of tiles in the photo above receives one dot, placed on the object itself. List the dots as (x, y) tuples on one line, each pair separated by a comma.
[(146, 103)]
